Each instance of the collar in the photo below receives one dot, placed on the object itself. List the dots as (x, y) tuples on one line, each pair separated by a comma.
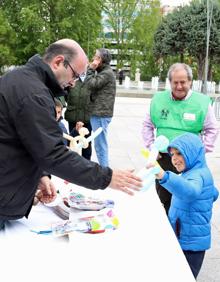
[(103, 66), (45, 74), (185, 98)]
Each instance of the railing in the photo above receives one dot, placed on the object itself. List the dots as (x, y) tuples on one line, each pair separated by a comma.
[(146, 89), (156, 85)]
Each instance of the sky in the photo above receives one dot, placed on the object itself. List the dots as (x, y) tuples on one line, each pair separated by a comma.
[(174, 2)]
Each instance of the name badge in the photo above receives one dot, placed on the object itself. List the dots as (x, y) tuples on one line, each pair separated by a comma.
[(188, 116)]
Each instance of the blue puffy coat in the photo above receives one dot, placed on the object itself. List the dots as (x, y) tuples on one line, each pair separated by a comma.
[(193, 194)]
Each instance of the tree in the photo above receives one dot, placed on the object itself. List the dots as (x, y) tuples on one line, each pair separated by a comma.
[(141, 39), (198, 33), (184, 33), (38, 23), (6, 42), (170, 37), (77, 19), (119, 16)]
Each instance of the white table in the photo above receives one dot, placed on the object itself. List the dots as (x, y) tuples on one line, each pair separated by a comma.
[(143, 248)]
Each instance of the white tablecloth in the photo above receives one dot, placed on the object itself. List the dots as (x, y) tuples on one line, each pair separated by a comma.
[(143, 248)]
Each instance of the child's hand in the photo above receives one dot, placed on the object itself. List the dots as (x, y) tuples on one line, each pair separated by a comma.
[(158, 175)]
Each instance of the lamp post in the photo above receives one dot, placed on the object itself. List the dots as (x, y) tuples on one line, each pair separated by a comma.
[(209, 23)]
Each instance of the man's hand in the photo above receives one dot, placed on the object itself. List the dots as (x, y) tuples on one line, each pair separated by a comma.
[(125, 181), (47, 193), (95, 63)]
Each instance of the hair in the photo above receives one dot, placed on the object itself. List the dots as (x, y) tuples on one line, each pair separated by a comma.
[(56, 49), (180, 66), (58, 103), (105, 55)]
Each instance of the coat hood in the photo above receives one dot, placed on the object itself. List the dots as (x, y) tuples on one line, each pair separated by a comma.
[(191, 148)]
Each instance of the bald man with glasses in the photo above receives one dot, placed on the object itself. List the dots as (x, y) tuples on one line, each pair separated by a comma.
[(31, 143)]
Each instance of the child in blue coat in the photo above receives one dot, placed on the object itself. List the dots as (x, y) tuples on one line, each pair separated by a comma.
[(193, 193)]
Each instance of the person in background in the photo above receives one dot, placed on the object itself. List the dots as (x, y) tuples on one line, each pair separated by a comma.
[(78, 111), (31, 142), (120, 76), (193, 193), (176, 111), (102, 84)]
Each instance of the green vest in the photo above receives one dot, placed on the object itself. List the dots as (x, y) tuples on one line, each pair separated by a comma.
[(172, 118)]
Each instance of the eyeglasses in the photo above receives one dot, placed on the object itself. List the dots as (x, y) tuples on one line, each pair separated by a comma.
[(75, 75)]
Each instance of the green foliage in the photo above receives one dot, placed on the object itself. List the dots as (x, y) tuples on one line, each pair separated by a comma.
[(216, 73), (141, 39), (7, 38), (29, 26), (119, 15), (198, 33), (37, 23), (184, 33), (170, 37), (132, 24)]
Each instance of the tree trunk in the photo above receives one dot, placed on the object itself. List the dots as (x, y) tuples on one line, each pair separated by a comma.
[(181, 58), (200, 67), (210, 71)]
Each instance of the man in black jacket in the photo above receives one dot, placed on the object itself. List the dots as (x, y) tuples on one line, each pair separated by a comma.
[(31, 140)]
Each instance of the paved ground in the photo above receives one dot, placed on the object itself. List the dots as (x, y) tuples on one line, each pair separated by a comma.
[(125, 142)]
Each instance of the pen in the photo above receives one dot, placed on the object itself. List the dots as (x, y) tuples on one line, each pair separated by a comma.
[(45, 232)]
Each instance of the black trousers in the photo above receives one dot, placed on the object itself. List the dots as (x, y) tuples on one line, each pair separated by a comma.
[(86, 153), (164, 195), (195, 260), (2, 224)]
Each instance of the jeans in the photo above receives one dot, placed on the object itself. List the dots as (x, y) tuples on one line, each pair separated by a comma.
[(100, 142)]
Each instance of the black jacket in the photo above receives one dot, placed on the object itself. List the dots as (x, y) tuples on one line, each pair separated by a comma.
[(31, 140)]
